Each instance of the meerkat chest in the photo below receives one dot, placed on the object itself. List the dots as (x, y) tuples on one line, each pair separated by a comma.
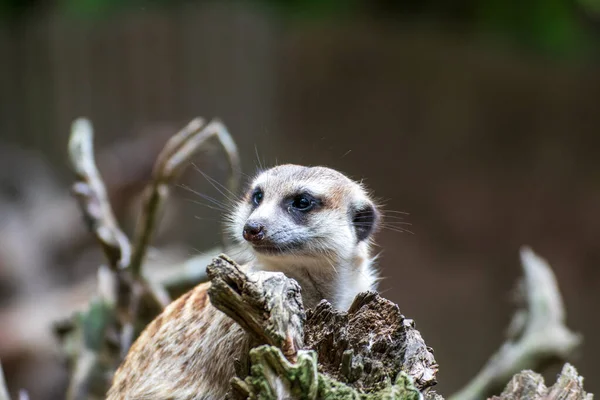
[(339, 284)]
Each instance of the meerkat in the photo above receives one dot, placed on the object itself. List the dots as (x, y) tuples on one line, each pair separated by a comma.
[(314, 224)]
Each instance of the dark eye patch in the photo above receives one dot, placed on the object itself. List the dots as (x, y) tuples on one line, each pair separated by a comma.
[(303, 202), (299, 205)]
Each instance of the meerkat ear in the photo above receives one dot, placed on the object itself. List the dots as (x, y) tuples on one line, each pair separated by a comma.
[(365, 218)]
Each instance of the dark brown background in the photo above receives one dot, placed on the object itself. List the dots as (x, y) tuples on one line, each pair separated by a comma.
[(487, 148)]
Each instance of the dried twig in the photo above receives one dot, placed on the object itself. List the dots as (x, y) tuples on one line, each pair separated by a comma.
[(3, 389), (124, 291), (538, 333), (120, 295), (23, 395), (22, 335), (170, 163), (91, 193)]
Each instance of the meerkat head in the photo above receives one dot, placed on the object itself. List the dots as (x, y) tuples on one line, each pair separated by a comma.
[(305, 212)]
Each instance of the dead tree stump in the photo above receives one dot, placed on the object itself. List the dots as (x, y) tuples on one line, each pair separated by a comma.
[(370, 352)]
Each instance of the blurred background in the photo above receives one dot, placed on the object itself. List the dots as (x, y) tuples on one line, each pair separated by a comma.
[(479, 119)]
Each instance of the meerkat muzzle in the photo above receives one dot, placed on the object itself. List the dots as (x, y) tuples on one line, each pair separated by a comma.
[(254, 231)]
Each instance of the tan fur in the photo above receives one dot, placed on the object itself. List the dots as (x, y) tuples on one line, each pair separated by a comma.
[(187, 352), (179, 350)]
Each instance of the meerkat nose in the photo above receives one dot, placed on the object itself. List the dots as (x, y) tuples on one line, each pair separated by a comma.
[(254, 231)]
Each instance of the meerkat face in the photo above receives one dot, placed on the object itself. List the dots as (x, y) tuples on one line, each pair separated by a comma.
[(300, 211)]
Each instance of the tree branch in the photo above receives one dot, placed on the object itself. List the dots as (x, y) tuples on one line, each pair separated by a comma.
[(537, 335), (116, 309), (3, 389), (171, 162), (90, 192), (124, 292)]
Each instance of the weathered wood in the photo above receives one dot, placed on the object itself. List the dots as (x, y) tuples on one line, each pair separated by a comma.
[(266, 304), (368, 346), (3, 390), (528, 385), (537, 336), (273, 377), (371, 351)]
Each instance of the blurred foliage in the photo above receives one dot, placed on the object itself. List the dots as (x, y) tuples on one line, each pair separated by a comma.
[(548, 25), (592, 6), (559, 27)]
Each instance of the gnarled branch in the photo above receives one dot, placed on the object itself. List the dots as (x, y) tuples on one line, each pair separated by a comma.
[(537, 335), (91, 193), (170, 164)]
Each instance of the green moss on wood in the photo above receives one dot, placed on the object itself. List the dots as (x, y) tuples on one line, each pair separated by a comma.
[(272, 376)]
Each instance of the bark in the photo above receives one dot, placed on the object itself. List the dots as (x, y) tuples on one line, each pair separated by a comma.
[(267, 305), (370, 352), (368, 346), (528, 385), (537, 336)]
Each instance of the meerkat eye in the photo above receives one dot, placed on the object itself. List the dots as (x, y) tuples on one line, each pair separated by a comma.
[(257, 197), (303, 202)]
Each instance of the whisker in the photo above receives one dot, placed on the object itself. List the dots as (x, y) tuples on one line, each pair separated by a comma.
[(396, 217), (234, 253), (206, 219), (395, 223), (206, 205), (226, 207), (395, 212), (260, 165), (399, 230), (214, 184), (388, 227), (197, 252)]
